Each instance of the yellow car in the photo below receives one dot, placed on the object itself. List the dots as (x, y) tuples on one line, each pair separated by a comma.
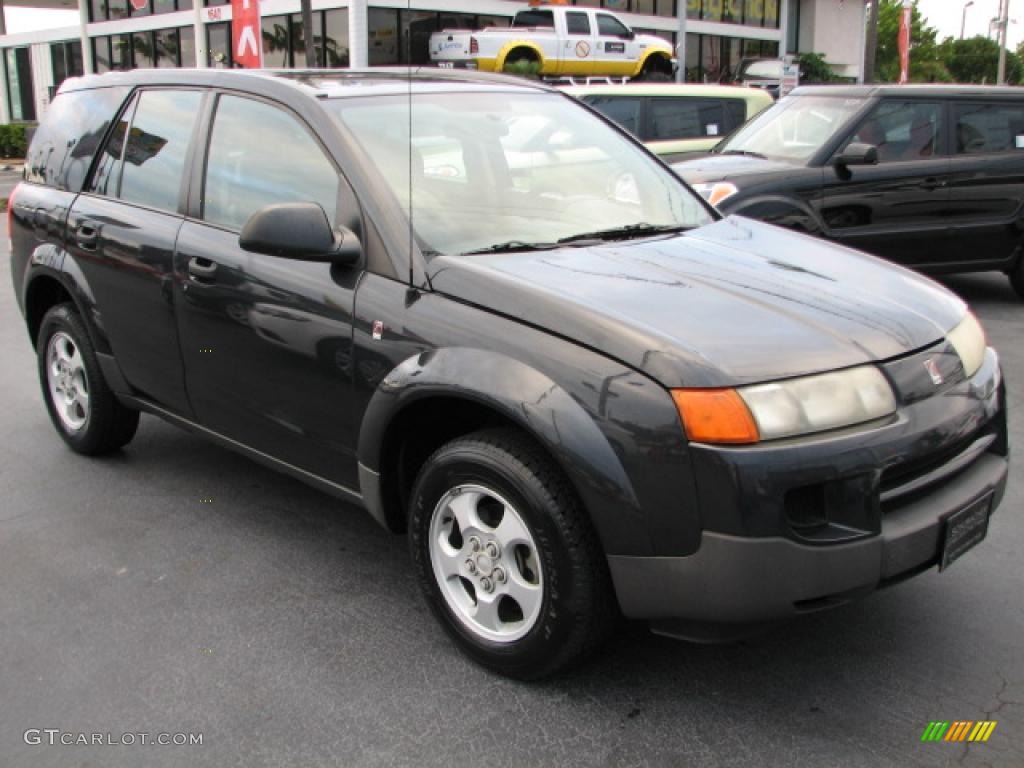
[(674, 120)]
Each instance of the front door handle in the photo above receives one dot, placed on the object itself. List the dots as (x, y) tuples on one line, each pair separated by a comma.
[(202, 269), (932, 183), (87, 235)]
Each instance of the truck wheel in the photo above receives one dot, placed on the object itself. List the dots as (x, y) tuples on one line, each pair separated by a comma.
[(81, 405), (522, 62), (656, 70), (507, 560)]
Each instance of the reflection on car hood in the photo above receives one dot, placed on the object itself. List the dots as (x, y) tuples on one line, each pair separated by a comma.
[(715, 167), (732, 303)]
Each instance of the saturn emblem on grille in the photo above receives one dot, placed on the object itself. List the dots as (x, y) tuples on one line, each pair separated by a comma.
[(933, 371)]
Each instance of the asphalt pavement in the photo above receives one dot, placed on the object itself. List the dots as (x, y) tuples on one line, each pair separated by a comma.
[(179, 588)]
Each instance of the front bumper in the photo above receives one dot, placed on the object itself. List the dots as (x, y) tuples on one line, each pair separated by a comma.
[(881, 497)]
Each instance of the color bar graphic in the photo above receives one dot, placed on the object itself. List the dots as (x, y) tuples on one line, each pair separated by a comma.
[(958, 730)]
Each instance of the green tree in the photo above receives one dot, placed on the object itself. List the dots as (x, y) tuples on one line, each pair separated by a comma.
[(976, 59), (926, 64), (814, 69)]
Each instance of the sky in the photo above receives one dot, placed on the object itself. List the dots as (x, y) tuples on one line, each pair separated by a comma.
[(944, 15)]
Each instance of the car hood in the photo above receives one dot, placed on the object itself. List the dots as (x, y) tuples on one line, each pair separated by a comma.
[(735, 302), (717, 167)]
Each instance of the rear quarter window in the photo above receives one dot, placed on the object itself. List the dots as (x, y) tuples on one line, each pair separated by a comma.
[(987, 128), (70, 135)]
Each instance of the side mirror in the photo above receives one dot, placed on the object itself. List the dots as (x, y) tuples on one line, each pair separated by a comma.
[(299, 231), (628, 35), (858, 154)]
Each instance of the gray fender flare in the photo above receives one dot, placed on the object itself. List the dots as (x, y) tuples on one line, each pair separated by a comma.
[(527, 398)]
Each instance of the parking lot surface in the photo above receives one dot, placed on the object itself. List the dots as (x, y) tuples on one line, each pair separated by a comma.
[(179, 588)]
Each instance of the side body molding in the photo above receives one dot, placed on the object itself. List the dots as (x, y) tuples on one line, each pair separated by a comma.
[(529, 399)]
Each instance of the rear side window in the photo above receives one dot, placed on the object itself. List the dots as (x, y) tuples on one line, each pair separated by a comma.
[(67, 140), (534, 19), (577, 23), (154, 153), (687, 119), (624, 110), (984, 128), (261, 155)]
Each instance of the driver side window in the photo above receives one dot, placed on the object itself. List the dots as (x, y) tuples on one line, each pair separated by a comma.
[(902, 131)]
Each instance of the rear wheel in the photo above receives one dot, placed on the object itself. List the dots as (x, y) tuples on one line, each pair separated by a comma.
[(506, 558), (81, 405)]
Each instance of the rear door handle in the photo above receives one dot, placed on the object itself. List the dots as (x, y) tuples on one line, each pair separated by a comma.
[(87, 235), (932, 183), (202, 269)]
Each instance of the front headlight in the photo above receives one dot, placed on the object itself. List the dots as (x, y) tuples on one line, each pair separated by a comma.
[(785, 408), (968, 339), (819, 403), (715, 192)]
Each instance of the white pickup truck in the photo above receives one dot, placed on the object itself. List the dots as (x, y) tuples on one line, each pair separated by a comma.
[(554, 41)]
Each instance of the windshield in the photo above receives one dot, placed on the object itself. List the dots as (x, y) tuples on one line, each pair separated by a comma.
[(492, 169), (767, 69), (795, 128)]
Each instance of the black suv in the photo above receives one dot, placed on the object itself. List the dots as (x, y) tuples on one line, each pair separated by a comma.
[(931, 177), (489, 316)]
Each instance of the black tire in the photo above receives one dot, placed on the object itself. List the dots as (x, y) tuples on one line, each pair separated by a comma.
[(108, 425), (655, 76), (577, 609)]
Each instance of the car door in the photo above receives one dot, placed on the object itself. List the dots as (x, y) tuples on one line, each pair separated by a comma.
[(896, 209), (266, 341), (986, 192), (578, 48), (122, 231), (616, 52)]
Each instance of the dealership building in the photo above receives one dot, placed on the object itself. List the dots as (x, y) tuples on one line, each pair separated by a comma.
[(123, 34)]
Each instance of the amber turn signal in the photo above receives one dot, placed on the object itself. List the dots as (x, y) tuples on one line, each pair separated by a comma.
[(715, 416)]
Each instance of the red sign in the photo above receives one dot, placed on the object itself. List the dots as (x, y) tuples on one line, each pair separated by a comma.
[(904, 41), (140, 5), (246, 37)]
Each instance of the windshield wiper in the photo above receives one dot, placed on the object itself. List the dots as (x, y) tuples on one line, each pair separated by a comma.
[(625, 233), (512, 246), (744, 152)]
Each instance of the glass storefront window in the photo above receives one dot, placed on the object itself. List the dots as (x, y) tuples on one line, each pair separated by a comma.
[(142, 50), (187, 46), (336, 38), (218, 45), (275, 41), (120, 52), (167, 48), (383, 36), (19, 84), (101, 54)]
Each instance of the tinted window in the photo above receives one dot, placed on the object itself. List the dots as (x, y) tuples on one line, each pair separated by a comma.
[(622, 110), (902, 130), (686, 119), (989, 128), (534, 19), (108, 168), (735, 114), (248, 169), (154, 156), (609, 25), (577, 23), (66, 142)]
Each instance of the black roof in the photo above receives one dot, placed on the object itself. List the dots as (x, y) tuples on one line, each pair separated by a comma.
[(913, 90), (320, 83)]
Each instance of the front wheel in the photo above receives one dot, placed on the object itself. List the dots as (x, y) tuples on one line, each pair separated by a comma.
[(81, 405), (506, 558)]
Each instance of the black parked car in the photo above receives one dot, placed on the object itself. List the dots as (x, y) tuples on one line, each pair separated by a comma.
[(572, 383), (928, 176)]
